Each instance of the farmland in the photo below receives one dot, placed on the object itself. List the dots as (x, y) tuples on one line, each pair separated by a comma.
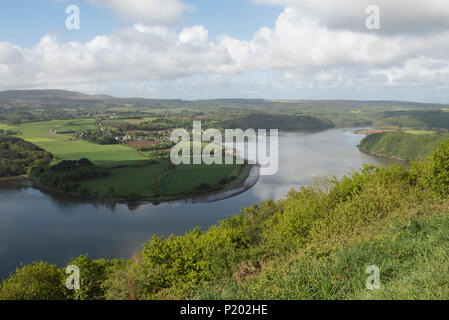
[(158, 181), (185, 177), (64, 147), (130, 171)]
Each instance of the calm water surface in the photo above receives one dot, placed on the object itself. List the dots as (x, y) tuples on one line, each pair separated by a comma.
[(38, 226)]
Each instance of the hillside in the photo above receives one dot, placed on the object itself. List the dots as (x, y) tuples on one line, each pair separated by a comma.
[(400, 145), (38, 98), (17, 155), (315, 244)]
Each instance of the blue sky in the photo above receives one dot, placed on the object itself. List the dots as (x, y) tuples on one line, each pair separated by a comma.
[(291, 49), (24, 22)]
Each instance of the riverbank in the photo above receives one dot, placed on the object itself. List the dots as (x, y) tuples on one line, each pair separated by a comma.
[(245, 180), (15, 178), (368, 132), (400, 146)]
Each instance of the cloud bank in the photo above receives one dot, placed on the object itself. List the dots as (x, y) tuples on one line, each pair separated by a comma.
[(313, 44)]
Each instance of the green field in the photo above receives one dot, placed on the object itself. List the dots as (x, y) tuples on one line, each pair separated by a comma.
[(131, 179), (67, 148), (420, 132), (186, 177), (78, 125), (142, 180)]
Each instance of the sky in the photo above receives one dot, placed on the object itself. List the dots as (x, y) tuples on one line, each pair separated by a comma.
[(201, 49)]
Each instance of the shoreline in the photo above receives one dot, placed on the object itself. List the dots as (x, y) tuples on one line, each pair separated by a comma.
[(227, 192), (243, 183), (14, 178), (384, 157)]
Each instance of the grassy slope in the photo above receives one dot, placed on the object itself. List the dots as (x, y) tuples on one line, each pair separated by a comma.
[(66, 149), (410, 248), (401, 146)]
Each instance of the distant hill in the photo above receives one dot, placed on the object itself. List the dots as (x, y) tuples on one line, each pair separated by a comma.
[(69, 99), (49, 95), (31, 99)]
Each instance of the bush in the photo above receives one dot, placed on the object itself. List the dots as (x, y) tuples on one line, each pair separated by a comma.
[(93, 273), (437, 175), (38, 281)]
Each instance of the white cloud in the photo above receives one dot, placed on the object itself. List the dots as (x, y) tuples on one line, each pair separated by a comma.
[(300, 51), (146, 11), (196, 34), (417, 71), (397, 16)]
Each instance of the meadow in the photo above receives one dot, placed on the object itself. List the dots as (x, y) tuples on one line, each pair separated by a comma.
[(185, 177), (65, 147), (420, 132), (157, 180), (139, 180)]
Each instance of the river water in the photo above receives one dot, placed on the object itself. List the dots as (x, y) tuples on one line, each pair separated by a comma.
[(37, 226)]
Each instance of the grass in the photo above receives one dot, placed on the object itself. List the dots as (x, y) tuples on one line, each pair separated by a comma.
[(182, 179), (131, 179), (411, 252), (186, 177), (67, 148), (420, 132), (78, 125)]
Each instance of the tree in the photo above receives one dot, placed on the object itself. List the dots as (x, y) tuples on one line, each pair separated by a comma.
[(437, 175), (38, 281)]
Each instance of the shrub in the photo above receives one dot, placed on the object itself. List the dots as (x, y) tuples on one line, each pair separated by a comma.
[(437, 175), (38, 281), (93, 273)]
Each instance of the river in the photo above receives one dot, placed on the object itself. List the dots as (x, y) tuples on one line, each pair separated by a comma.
[(37, 226)]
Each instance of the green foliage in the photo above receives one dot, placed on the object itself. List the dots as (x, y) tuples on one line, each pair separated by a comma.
[(93, 273), (99, 136), (410, 251), (180, 264), (437, 175), (38, 281), (401, 146), (17, 157), (67, 175), (423, 119), (275, 121)]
